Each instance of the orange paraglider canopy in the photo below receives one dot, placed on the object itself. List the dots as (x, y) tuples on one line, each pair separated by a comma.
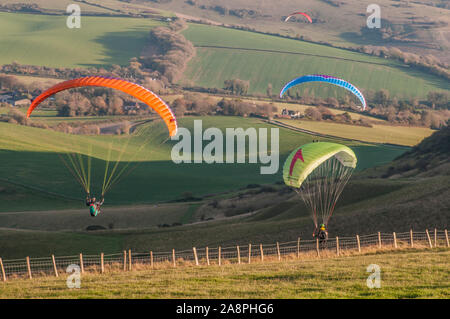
[(133, 89)]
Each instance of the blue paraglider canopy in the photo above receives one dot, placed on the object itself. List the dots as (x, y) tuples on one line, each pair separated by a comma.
[(328, 79)]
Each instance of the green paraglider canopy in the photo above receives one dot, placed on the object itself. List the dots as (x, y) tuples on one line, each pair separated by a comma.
[(320, 172)]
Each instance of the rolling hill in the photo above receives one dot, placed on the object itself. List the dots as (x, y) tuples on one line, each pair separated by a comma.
[(224, 54), (420, 26), (32, 154), (429, 158), (370, 203), (41, 208)]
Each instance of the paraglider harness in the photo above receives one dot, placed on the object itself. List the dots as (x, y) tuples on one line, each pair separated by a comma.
[(94, 206), (322, 234)]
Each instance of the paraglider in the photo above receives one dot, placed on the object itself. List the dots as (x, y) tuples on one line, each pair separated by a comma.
[(75, 163), (318, 172), (300, 13), (94, 205), (322, 234), (327, 79)]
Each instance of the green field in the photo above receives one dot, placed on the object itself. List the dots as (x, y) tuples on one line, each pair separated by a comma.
[(31, 154), (103, 41), (45, 40), (212, 66), (330, 278), (378, 133)]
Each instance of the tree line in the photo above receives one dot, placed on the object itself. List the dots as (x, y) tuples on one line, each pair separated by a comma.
[(171, 51), (199, 104)]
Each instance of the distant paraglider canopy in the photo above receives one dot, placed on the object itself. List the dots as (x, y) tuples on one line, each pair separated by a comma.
[(79, 160), (298, 13), (327, 79), (319, 172)]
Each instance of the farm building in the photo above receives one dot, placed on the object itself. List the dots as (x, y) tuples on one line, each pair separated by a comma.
[(22, 102)]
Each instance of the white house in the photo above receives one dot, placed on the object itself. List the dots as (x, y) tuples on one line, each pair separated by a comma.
[(23, 102)]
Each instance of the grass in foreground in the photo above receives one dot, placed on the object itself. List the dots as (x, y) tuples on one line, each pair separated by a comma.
[(404, 274)]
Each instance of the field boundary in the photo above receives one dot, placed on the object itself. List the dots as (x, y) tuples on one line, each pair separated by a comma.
[(293, 53), (218, 256), (299, 129)]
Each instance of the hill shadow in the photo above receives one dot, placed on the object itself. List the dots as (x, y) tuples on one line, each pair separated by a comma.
[(120, 47), (143, 182)]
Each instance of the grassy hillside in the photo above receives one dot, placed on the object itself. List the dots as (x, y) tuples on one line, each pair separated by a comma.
[(340, 24), (366, 206), (96, 6), (428, 158), (32, 157), (263, 59), (330, 278), (45, 40)]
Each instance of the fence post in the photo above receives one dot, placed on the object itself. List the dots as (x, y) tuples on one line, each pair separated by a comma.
[(195, 256), (151, 258), (54, 266), (130, 261), (173, 258), (411, 239), (102, 263), (359, 243), (446, 238), (395, 239), (435, 237), (124, 260), (249, 252), (317, 247), (239, 255), (220, 256), (29, 267), (379, 240), (207, 256), (3, 270), (262, 252), (278, 251), (429, 239), (298, 247), (337, 246), (81, 263)]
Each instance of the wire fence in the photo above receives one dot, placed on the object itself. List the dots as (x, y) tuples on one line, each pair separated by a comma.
[(239, 254)]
